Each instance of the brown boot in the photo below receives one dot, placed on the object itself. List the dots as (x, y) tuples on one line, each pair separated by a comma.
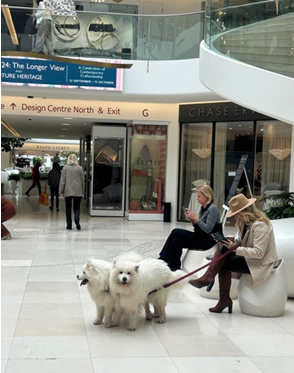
[(208, 278), (225, 301)]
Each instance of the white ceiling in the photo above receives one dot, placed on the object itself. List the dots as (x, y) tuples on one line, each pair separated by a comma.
[(49, 127)]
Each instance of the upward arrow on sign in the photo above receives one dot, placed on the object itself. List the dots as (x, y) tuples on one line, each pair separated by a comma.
[(13, 106)]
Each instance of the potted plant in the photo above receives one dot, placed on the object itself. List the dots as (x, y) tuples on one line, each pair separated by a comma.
[(14, 178), (279, 206)]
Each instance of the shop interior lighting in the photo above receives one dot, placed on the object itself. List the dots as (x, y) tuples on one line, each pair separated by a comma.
[(10, 24), (9, 128)]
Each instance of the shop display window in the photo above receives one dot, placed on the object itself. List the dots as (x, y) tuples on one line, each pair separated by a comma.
[(195, 163), (147, 169), (108, 174)]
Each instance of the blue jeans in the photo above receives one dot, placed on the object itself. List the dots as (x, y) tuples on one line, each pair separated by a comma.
[(75, 202), (178, 240)]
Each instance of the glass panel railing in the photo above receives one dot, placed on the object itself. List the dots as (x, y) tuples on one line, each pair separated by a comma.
[(106, 35), (257, 33)]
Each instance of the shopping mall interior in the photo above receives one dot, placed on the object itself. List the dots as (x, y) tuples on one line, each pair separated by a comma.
[(155, 98)]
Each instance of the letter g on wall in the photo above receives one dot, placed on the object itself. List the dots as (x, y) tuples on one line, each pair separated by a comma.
[(145, 113)]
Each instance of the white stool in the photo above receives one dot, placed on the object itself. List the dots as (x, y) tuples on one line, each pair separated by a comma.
[(193, 259), (214, 292), (284, 235), (267, 299)]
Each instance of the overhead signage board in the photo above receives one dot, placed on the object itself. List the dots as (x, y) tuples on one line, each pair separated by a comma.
[(47, 73)]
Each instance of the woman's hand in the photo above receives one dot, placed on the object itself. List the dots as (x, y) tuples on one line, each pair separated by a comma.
[(192, 217)]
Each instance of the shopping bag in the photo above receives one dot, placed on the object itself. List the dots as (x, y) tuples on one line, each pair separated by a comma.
[(44, 198)]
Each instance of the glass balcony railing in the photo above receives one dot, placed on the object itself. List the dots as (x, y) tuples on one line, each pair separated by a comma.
[(107, 35), (257, 33)]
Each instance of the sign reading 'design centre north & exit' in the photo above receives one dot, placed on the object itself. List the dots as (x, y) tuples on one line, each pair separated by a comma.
[(55, 74)]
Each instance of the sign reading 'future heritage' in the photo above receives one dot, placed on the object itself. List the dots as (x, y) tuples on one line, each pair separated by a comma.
[(58, 74)]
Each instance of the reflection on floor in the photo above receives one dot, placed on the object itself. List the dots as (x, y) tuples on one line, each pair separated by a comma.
[(47, 317)]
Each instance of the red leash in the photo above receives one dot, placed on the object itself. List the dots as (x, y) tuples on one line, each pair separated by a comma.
[(199, 269)]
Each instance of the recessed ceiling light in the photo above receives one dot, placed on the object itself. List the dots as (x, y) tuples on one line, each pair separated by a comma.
[(61, 135), (65, 124), (64, 129), (67, 118)]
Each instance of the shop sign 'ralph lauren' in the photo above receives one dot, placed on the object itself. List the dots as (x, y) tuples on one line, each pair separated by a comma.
[(220, 111)]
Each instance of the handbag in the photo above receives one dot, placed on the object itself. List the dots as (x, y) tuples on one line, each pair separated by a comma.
[(44, 198)]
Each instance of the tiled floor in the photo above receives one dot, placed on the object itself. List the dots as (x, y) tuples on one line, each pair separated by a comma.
[(47, 317)]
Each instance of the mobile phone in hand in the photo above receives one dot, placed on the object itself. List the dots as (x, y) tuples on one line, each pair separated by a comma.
[(184, 210)]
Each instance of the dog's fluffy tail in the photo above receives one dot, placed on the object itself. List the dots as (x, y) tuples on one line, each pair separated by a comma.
[(174, 276)]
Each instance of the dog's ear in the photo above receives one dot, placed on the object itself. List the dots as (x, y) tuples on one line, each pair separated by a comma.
[(114, 263), (137, 267)]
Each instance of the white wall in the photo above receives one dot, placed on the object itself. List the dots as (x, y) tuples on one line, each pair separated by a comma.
[(257, 89)]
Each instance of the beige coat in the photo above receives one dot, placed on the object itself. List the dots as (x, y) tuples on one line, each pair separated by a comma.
[(259, 249)]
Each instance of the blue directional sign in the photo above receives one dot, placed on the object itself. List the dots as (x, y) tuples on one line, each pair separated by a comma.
[(54, 73)]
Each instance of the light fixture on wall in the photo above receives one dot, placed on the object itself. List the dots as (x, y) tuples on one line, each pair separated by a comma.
[(280, 154), (202, 153), (10, 24)]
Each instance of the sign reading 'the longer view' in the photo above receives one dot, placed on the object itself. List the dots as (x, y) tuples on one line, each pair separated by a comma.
[(54, 73)]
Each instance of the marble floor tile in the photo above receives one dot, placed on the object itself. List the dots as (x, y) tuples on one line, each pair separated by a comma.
[(216, 365), (60, 365), (50, 327), (47, 317)]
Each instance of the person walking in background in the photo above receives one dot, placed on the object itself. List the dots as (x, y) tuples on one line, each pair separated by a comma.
[(207, 222), (35, 178), (8, 211), (53, 182), (44, 33), (71, 187), (255, 255)]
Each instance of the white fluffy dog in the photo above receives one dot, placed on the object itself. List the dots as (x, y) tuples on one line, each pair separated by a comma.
[(96, 274), (141, 283)]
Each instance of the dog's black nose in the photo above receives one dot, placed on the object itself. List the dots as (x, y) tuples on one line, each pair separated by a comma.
[(77, 276), (124, 279)]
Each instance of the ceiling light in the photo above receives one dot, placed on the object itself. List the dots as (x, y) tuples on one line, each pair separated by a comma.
[(61, 135), (64, 129), (67, 118), (65, 124)]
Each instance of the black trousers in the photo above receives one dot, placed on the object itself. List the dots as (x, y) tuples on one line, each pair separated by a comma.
[(36, 183), (72, 202), (54, 193), (236, 263), (178, 240)]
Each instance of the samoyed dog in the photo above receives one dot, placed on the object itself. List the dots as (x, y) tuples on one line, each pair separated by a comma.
[(96, 275), (140, 284)]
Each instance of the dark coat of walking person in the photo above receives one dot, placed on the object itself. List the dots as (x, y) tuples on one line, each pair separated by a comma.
[(8, 210), (53, 182), (255, 255), (44, 27), (71, 187), (35, 178), (206, 222)]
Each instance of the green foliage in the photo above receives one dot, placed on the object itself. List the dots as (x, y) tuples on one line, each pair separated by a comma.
[(10, 143), (55, 158), (280, 206), (16, 177), (37, 159), (65, 155)]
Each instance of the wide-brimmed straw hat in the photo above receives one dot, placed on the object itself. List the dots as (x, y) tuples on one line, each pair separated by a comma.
[(239, 203)]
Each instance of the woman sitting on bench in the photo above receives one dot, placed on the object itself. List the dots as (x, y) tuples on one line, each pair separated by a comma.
[(207, 222)]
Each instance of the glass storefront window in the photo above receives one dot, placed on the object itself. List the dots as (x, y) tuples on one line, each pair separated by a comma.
[(108, 173), (272, 159), (147, 168), (195, 160), (232, 140)]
